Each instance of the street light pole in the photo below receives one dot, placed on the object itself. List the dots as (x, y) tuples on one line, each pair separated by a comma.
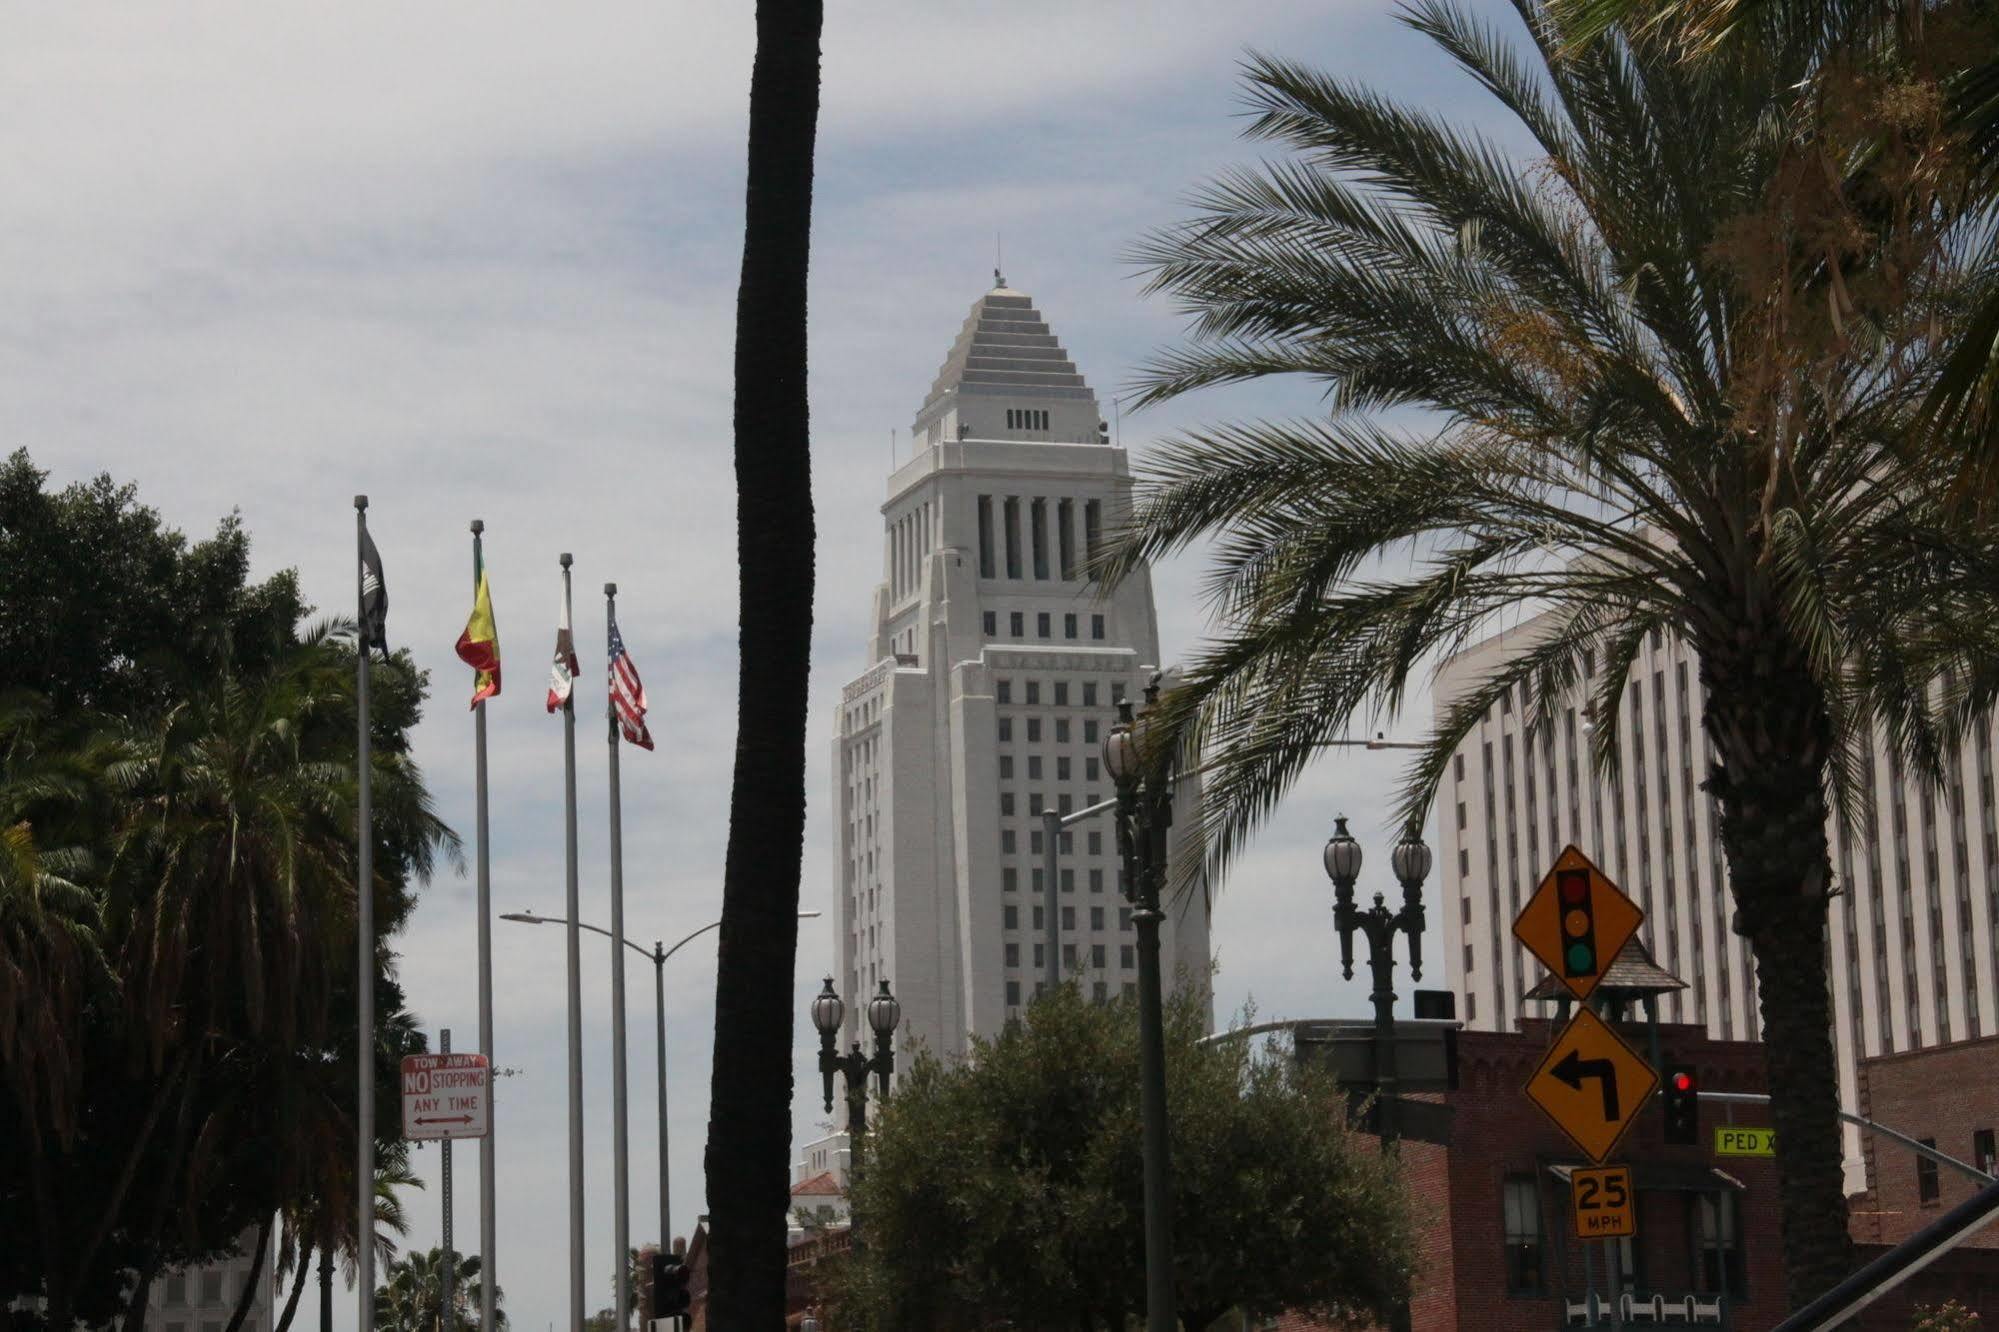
[(1144, 811), (657, 956), (1411, 861)]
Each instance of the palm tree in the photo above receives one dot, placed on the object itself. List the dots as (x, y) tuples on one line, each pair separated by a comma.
[(1615, 425), (412, 1299), (749, 1115)]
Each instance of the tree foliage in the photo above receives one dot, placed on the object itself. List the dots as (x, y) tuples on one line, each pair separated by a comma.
[(177, 813), (412, 1297), (1655, 376), (1005, 1189)]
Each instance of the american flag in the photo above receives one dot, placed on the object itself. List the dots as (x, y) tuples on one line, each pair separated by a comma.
[(628, 695)]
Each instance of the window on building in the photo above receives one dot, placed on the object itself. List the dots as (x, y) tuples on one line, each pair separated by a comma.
[(1521, 1202), (1117, 692), (1068, 881), (1089, 693), (1013, 994), (1127, 956), (1096, 842), (1011, 516), (1096, 918), (1006, 804), (1010, 917), (1100, 992), (1458, 764), (1042, 624), (1068, 624), (1009, 843), (1090, 734), (1096, 880), (1013, 954), (1068, 918), (1006, 767), (1061, 693), (1034, 841), (1040, 958), (1984, 1153), (1034, 803), (1038, 523), (1061, 730), (1016, 624), (1068, 843), (1061, 767), (1034, 730), (1093, 527), (1097, 956), (1065, 537), (1034, 769), (1124, 918), (1471, 1006), (1040, 923), (1721, 1265), (1928, 1189), (177, 1288), (1097, 627), (1009, 879), (991, 619), (1006, 730), (1068, 957), (1033, 691), (986, 563), (211, 1287), (1468, 959)]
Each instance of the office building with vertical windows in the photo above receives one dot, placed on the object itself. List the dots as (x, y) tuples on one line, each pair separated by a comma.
[(1911, 941), (994, 671)]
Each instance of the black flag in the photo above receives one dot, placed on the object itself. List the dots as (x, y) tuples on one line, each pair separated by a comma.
[(374, 598)]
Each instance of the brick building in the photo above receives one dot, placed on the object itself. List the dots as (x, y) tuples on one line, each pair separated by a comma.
[(1904, 1192)]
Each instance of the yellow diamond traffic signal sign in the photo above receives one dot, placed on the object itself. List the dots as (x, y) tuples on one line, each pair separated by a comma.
[(1592, 1084), (1577, 921)]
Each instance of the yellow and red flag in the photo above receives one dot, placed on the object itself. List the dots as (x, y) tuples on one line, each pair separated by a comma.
[(479, 645)]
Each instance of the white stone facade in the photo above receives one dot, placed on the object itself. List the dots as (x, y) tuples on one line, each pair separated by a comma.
[(994, 674), (203, 1299), (1911, 945)]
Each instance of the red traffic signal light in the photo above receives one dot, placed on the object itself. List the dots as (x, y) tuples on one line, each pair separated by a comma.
[(1683, 1107)]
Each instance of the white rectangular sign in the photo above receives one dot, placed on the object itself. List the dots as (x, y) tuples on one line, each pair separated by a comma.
[(446, 1096)]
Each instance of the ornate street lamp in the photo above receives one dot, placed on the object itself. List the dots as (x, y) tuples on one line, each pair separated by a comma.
[(1144, 781), (884, 1014), (1411, 862)]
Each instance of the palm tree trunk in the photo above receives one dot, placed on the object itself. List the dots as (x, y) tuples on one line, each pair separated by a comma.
[(249, 1293), (135, 1308), (1773, 739), (298, 1288), (749, 1117), (326, 1288)]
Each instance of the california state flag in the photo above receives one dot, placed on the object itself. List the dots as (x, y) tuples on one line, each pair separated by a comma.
[(479, 645), (562, 673)]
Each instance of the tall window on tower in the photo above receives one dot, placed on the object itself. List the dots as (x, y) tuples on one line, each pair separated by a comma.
[(1093, 527), (1038, 513), (1012, 537), (1065, 537), (986, 537)]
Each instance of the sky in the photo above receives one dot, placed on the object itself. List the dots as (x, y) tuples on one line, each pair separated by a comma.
[(480, 260)]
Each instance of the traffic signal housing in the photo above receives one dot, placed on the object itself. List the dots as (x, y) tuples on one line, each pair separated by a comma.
[(1683, 1106), (670, 1297), (1578, 922)]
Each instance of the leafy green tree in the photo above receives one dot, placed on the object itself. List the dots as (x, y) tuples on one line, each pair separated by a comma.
[(1611, 426), (1007, 1185), (176, 815)]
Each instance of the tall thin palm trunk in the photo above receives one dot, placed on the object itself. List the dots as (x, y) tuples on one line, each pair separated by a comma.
[(326, 1289), (248, 1296), (749, 1116), (298, 1287)]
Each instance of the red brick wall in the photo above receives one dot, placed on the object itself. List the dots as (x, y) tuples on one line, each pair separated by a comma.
[(1946, 1092)]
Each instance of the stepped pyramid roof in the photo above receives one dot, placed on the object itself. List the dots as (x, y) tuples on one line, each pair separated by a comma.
[(1006, 350)]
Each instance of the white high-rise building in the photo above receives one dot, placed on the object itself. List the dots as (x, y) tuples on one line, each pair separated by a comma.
[(1911, 941), (994, 673)]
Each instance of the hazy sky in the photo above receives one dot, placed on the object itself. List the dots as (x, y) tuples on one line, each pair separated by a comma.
[(479, 259)]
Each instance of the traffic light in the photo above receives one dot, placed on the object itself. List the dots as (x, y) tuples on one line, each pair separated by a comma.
[(670, 1298), (1578, 923), (1683, 1106)]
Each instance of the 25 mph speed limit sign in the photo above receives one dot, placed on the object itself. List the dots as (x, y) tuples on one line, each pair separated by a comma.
[(446, 1096), (1605, 1206)]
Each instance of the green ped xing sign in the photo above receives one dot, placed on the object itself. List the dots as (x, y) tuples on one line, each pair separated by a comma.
[(1735, 1140)]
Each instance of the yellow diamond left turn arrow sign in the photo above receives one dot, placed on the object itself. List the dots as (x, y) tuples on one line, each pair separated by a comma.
[(1592, 1084)]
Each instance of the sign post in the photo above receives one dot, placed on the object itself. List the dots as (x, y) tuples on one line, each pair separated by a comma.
[(446, 1096)]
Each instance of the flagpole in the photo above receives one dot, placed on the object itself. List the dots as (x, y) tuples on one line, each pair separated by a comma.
[(620, 1182), (364, 932), (488, 1215), (575, 960)]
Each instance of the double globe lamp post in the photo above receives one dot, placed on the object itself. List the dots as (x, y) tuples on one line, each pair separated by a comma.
[(884, 1014), (1144, 780)]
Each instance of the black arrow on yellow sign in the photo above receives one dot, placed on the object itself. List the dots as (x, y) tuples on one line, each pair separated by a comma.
[(1573, 1070)]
